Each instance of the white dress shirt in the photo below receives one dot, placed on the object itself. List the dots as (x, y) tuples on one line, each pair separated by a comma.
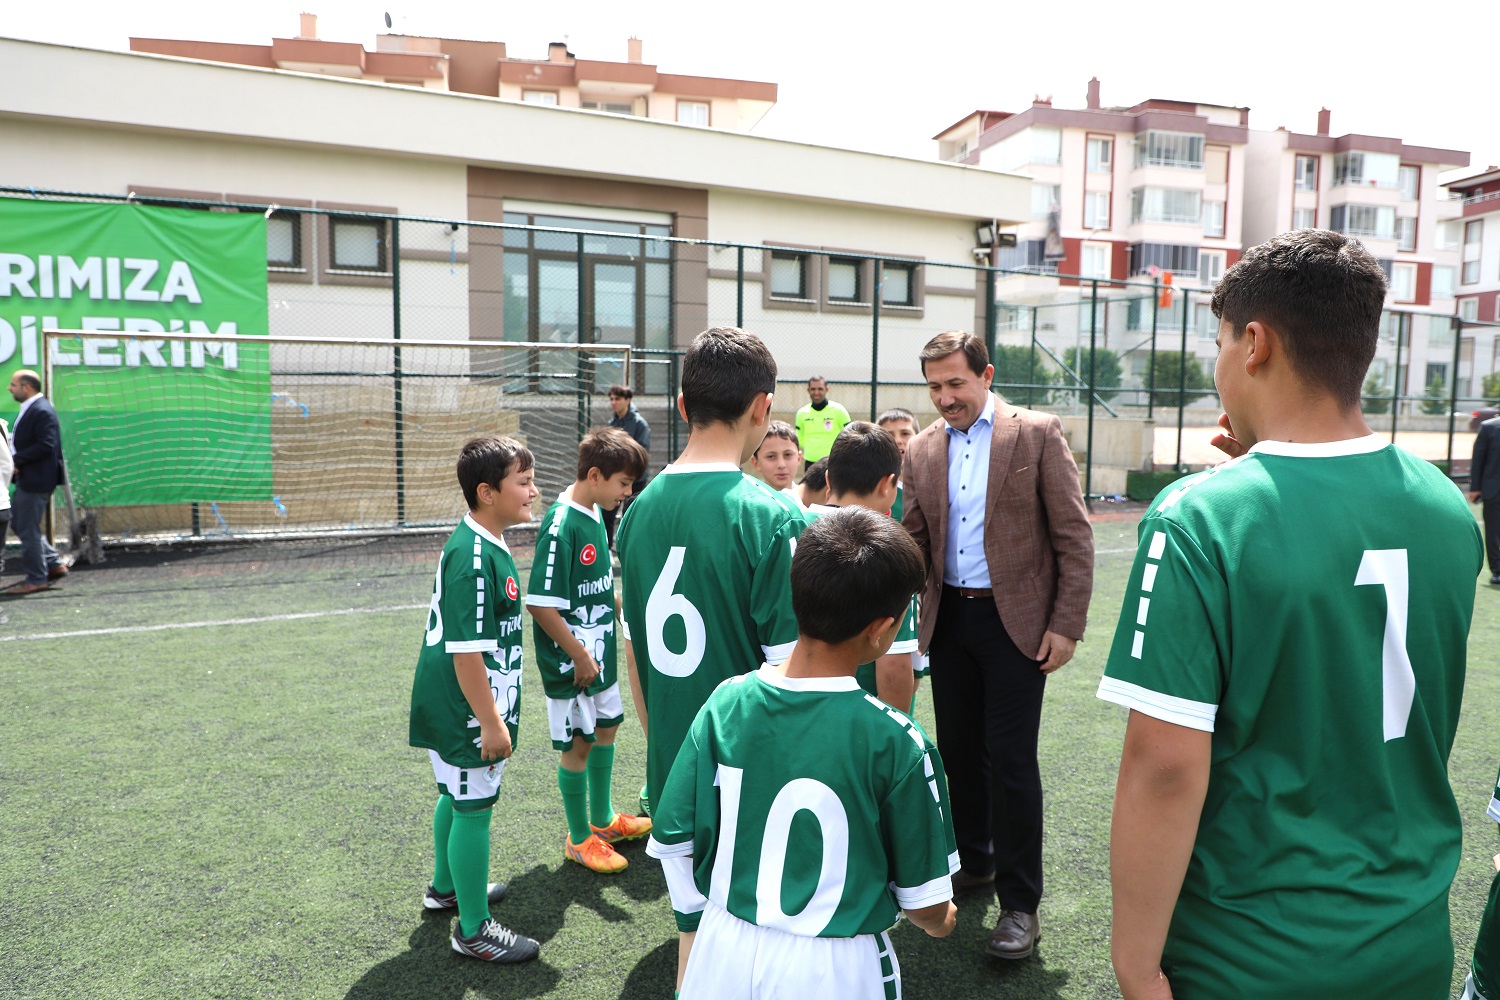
[(21, 415), (964, 564)]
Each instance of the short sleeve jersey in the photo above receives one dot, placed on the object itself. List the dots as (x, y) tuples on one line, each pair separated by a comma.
[(906, 638), (572, 573), (816, 429), (1309, 606), (899, 507), (475, 608), (827, 837), (705, 565)]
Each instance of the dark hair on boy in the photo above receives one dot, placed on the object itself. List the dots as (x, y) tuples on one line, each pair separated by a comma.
[(816, 476), (489, 460), (952, 342), (723, 371), (1322, 293), (781, 429), (853, 566), (622, 391), (862, 455), (611, 450), (896, 414)]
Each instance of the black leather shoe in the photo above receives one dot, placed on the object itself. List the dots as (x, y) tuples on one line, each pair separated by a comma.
[(1495, 578), (1015, 935), (967, 882)]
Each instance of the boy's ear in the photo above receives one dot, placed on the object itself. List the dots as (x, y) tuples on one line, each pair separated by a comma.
[(595, 477), (876, 629), (886, 485), (1264, 343), (760, 408), (682, 408)]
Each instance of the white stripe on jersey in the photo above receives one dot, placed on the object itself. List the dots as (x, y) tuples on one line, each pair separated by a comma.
[(938, 890), (1178, 711)]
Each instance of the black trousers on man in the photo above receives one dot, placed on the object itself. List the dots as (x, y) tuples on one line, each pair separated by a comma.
[(1491, 536), (987, 695)]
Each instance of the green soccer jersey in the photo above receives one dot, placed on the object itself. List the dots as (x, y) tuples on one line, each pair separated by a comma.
[(843, 824), (898, 509), (706, 558), (572, 573), (1309, 605), (476, 608), (906, 638)]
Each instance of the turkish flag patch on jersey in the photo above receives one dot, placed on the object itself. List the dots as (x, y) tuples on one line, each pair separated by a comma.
[(588, 555), (511, 590)]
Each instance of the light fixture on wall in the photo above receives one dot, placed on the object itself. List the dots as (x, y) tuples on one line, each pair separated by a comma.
[(984, 233)]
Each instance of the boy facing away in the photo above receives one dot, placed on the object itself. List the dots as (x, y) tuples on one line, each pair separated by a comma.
[(1292, 650), (786, 911), (466, 697), (862, 468), (571, 598)]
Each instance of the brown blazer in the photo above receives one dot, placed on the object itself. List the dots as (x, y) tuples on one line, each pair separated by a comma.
[(1037, 537)]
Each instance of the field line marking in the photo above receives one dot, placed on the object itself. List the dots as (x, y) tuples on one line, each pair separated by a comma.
[(124, 629)]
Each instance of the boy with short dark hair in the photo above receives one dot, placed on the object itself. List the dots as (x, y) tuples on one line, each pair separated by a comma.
[(786, 916), (1292, 651), (466, 696), (571, 598), (863, 464), (901, 424), (778, 458), (814, 485)]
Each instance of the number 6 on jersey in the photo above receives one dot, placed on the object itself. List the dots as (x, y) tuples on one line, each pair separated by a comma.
[(662, 606)]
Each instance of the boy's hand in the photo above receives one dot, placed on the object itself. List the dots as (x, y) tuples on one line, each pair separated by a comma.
[(585, 671), (950, 920), (494, 741), (1227, 442), (937, 920)]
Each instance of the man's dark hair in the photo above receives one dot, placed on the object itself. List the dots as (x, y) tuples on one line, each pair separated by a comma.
[(862, 455), (722, 373), (611, 450), (816, 378), (779, 429), (489, 460), (623, 391), (26, 378), (816, 475), (853, 566), (1322, 293), (899, 413), (952, 342)]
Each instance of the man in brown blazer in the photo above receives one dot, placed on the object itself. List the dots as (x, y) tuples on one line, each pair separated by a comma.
[(992, 498)]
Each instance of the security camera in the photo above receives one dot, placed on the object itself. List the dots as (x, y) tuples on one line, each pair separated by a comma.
[(981, 254)]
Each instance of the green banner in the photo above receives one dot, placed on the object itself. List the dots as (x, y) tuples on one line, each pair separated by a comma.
[(144, 420)]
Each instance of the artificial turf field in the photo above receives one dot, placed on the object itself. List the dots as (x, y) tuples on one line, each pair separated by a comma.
[(231, 810)]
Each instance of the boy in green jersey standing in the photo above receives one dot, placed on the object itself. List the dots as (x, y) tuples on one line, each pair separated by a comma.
[(1483, 982), (466, 697), (862, 469), (571, 598), (1292, 650), (786, 911)]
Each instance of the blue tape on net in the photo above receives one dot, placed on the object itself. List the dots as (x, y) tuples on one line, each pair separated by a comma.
[(280, 507)]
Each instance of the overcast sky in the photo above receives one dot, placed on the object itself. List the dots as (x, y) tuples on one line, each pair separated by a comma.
[(887, 77)]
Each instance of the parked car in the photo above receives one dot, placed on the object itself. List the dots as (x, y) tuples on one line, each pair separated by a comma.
[(1482, 414)]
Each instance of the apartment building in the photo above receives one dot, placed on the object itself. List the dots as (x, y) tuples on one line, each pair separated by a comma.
[(1476, 232), (633, 87)]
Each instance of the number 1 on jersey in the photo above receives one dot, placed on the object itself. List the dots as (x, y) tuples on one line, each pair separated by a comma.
[(1387, 568)]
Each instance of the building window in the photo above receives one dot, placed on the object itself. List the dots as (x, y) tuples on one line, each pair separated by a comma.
[(1406, 233), (1045, 199), (1216, 165), (1468, 309), (692, 113), (789, 275), (1101, 155), (844, 280), (1304, 218), (1164, 256), (547, 97), (1437, 373), (613, 107), (1471, 272), (1027, 255), (1170, 149), (284, 239), (1376, 221), (1473, 238), (1210, 268), (1175, 205), (1404, 282), (1381, 170), (1409, 179), (1307, 173), (1046, 145), (898, 284), (1442, 282), (358, 244), (1095, 261), (1096, 210), (1213, 218)]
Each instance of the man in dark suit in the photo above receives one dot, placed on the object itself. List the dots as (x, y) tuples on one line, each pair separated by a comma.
[(993, 500), (1484, 484), (36, 443)]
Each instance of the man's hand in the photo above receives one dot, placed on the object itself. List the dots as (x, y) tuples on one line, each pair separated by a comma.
[(585, 671), (1476, 496), (1056, 650), (1152, 987), (1227, 442), (494, 741)]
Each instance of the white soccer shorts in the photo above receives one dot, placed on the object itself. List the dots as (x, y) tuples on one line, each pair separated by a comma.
[(736, 960), (582, 714), (476, 787)]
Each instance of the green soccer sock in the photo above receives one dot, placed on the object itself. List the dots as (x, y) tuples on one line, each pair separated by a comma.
[(469, 857), (601, 769), (575, 789), (442, 826)]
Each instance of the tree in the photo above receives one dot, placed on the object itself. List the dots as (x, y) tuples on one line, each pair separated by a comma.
[(1377, 396), (1435, 400), (1107, 372), (1168, 374), (1491, 388), (1020, 366)]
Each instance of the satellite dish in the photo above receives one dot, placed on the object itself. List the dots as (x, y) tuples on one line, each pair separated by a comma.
[(387, 20)]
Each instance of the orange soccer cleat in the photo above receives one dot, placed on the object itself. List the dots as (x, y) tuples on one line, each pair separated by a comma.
[(622, 827), (595, 855)]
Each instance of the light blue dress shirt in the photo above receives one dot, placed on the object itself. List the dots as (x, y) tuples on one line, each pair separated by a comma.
[(968, 482)]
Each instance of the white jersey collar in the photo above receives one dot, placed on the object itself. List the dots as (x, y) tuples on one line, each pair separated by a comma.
[(590, 511), (683, 468), (774, 677), (483, 532), (1321, 449)]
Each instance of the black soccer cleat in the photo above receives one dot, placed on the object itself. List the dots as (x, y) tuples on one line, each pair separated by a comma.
[(494, 942), (434, 900)]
